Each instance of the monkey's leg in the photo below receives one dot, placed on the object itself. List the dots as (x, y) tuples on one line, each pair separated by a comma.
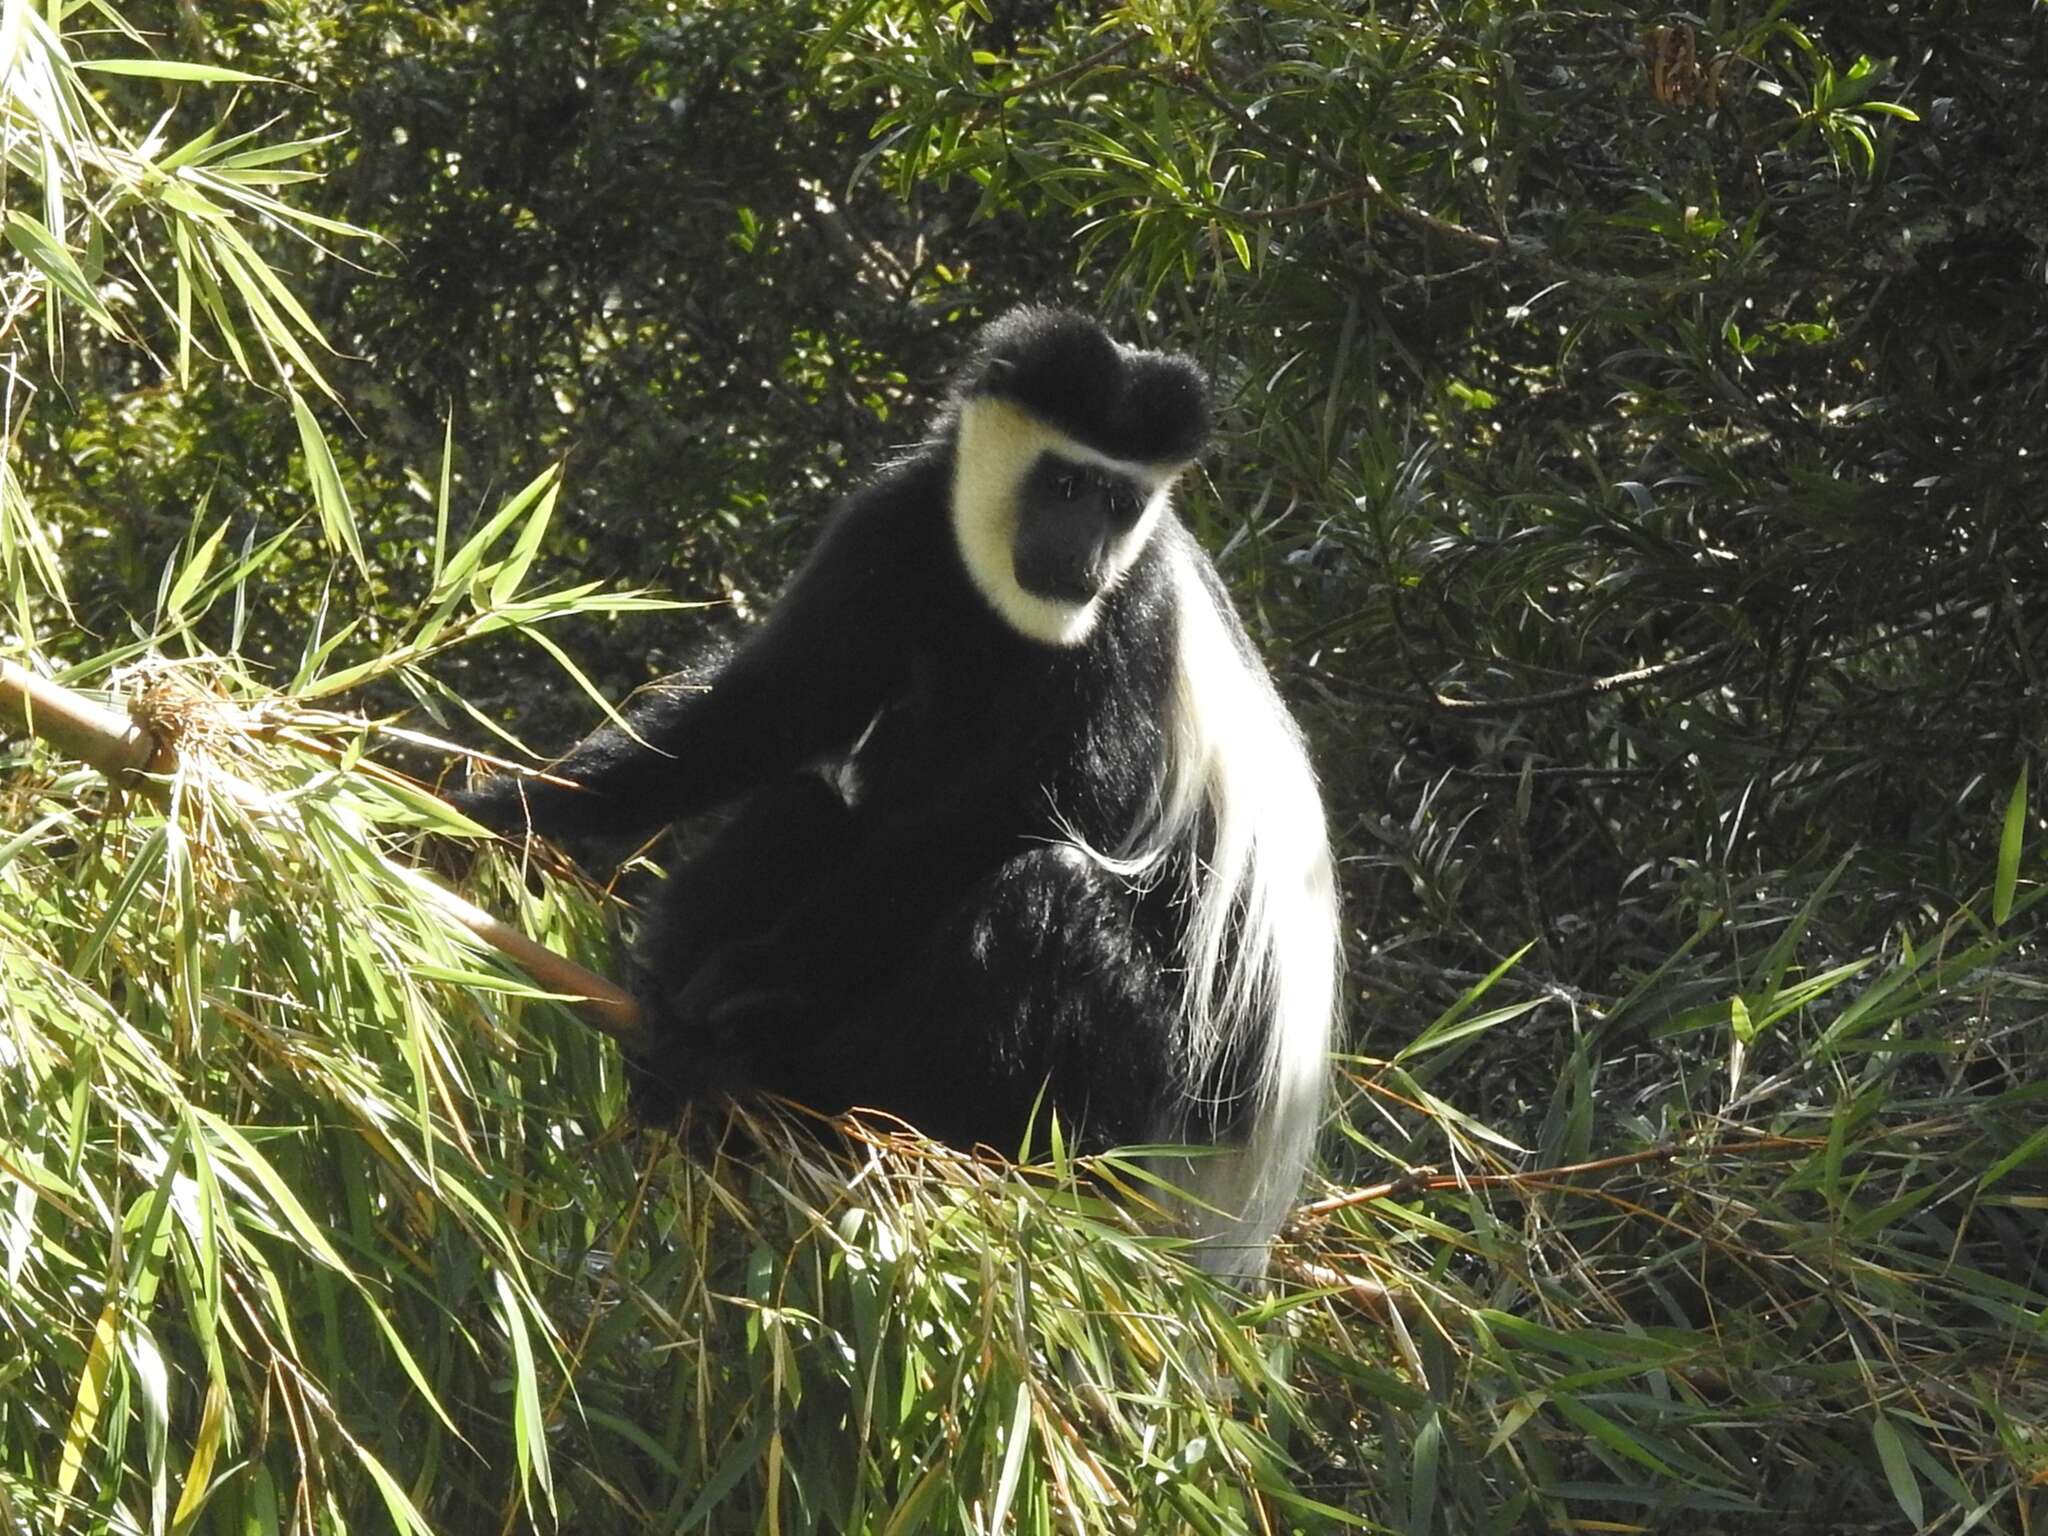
[(1041, 993), (757, 866)]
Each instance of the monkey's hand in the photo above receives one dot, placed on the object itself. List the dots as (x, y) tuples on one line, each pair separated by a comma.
[(746, 997), (721, 1031)]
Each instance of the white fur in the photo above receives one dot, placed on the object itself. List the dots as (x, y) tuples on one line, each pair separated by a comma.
[(1260, 952), (1261, 945), (996, 446)]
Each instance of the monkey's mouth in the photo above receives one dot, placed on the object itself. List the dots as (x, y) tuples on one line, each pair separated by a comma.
[(1062, 577), (1066, 559)]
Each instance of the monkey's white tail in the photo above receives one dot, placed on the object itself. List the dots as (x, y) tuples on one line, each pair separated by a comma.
[(1261, 948)]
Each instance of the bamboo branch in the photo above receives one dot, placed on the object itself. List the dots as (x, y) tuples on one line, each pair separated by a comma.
[(72, 723), (120, 748)]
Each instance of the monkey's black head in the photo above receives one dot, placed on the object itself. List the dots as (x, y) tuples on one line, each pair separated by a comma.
[(1061, 366), (1065, 449)]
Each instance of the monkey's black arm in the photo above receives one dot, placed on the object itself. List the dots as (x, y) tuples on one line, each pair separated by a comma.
[(802, 687)]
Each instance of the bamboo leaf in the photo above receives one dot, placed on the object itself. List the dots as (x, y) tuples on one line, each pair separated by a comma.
[(527, 546), (470, 556), (1739, 1020), (205, 1448), (909, 1515), (2026, 1152), (92, 1384), (1898, 1470), (405, 1519), (2010, 843), (337, 518), (275, 1187), (1013, 1455), (30, 237), (193, 574), (1435, 1034), (529, 1424), (442, 501), (176, 69)]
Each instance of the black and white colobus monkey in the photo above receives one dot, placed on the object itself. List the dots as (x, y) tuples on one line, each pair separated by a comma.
[(1022, 821)]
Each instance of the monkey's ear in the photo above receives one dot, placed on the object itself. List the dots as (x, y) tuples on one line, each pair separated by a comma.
[(1166, 409)]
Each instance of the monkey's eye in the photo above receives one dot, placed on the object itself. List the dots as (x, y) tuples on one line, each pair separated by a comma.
[(1069, 486)]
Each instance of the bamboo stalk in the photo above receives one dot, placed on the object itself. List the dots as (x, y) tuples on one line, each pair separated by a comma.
[(120, 748), (90, 732)]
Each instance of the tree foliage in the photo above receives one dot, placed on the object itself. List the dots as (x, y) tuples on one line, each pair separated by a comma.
[(1632, 466)]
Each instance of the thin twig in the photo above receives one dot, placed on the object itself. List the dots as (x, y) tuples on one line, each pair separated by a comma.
[(1364, 189), (1420, 1180), (1062, 76), (1592, 688)]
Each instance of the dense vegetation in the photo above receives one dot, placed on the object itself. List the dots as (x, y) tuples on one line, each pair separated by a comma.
[(1634, 463)]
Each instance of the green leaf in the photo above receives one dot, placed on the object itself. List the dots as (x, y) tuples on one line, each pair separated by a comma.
[(199, 1473), (1239, 246), (329, 496), (250, 283), (397, 1503), (441, 499), (1438, 1035), (527, 545), (2021, 1155), (2010, 842), (30, 237), (1440, 1028), (909, 1515), (91, 1392), (1898, 1471), (176, 69), (529, 1423), (194, 573), (275, 1186), (1770, 976), (470, 556), (1013, 1455), (1739, 1020)]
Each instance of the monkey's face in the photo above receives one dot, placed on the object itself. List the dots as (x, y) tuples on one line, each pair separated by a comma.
[(1045, 525), (1073, 523), (1065, 446)]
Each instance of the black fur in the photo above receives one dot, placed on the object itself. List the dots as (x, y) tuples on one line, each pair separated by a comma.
[(895, 917), (1146, 407)]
